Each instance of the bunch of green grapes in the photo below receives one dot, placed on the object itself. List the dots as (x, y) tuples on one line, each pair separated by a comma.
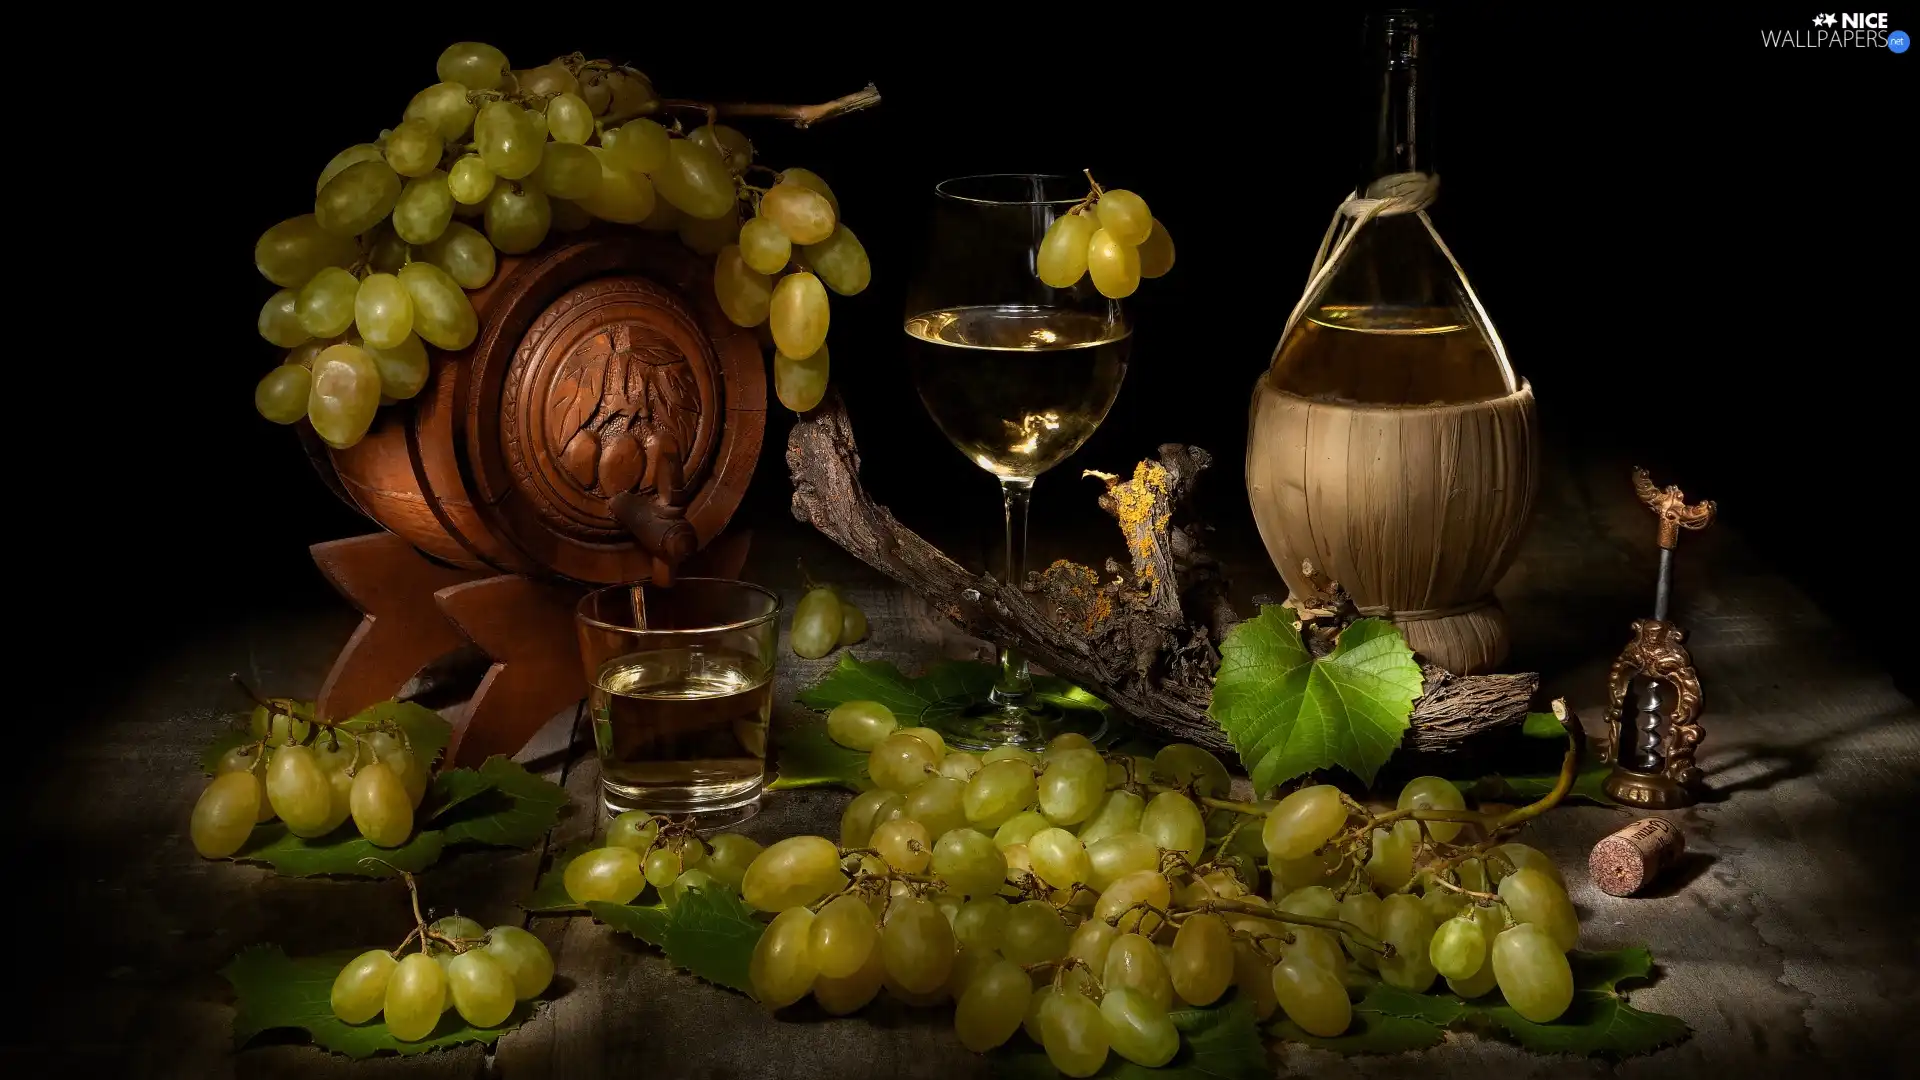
[(643, 849), (824, 620), (1110, 235), (489, 161), (460, 966), (314, 777)]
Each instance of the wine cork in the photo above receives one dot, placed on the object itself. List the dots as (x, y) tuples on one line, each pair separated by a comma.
[(1627, 861)]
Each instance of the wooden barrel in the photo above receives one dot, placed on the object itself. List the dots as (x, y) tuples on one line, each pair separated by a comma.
[(1416, 510), (603, 366)]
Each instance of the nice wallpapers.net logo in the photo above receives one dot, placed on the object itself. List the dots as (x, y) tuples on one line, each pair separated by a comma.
[(1844, 30)]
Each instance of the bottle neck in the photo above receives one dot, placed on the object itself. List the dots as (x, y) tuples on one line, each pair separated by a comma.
[(1403, 131)]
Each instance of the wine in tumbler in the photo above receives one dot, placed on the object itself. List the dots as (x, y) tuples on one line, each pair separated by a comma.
[(680, 688)]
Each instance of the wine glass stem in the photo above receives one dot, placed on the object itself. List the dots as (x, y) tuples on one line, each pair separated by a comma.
[(1015, 683)]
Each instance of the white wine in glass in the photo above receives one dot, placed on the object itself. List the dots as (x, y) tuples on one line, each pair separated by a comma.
[(1017, 375)]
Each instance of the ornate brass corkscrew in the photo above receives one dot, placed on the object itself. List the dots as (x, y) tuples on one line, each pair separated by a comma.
[(1651, 743)]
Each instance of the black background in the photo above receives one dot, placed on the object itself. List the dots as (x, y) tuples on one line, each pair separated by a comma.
[(1697, 249)]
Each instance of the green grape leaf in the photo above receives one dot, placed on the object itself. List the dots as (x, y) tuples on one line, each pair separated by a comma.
[(274, 992), (709, 932), (1370, 1033), (1218, 1043), (1607, 970), (427, 731), (1598, 1023), (1543, 725), (500, 804), (343, 851), (516, 811), (549, 896), (1441, 1009), (805, 757), (1288, 713)]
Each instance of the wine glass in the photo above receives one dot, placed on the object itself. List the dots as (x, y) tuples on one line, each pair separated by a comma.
[(1017, 375)]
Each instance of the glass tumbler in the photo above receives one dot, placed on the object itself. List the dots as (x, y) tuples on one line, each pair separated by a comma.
[(680, 691)]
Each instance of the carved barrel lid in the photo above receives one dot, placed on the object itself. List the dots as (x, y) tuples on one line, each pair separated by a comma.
[(606, 367)]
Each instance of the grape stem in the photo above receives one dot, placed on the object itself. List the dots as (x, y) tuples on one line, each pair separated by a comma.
[(803, 116), (1254, 907), (1250, 809), (1483, 897)]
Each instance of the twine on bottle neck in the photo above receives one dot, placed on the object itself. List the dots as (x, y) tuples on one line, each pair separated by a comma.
[(1399, 193)]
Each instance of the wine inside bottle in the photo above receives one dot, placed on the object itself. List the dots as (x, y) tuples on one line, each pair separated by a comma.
[(1393, 324)]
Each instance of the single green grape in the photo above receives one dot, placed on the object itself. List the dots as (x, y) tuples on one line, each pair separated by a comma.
[(802, 213), (1138, 1028), (324, 305), (807, 178), (509, 140), (416, 996), (1119, 811), (1533, 897), (816, 628), (1479, 984), (1074, 1034), (344, 395), (1133, 961), (917, 945), (465, 254), (414, 148), (1183, 764), (518, 217), (1173, 822), (458, 927), (279, 320), (643, 146), (1434, 793), (1303, 821), (853, 621), (444, 108), (1020, 828), (998, 791), (969, 862), (798, 315), (1034, 933), (290, 253), (901, 763), (635, 830), (299, 790), (281, 395), (381, 810), (706, 236), (1115, 266), (382, 311), (746, 296), (1062, 258), (730, 144), (1059, 858), (662, 866), (1405, 925), (1124, 215), (841, 997), (1117, 855), (783, 968), (1312, 997), (1253, 979), (225, 814), (442, 314), (424, 208), (764, 246), (1362, 909), (569, 120), (1143, 887), (938, 803), (470, 181), (800, 385), (1156, 252), (1010, 752), (1522, 857), (1390, 867), (352, 155), (1532, 972), (412, 774), (981, 924), (730, 857), (844, 934), (472, 64), (905, 844), (403, 369), (358, 198), (548, 80), (524, 956), (960, 765), (694, 179), (568, 171), (868, 811), (609, 874), (1073, 786), (624, 195), (1458, 949), (992, 1005), (793, 872), (360, 990), (483, 991), (1201, 963)]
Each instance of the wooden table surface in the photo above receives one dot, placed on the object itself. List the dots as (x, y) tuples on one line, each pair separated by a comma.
[(1788, 944)]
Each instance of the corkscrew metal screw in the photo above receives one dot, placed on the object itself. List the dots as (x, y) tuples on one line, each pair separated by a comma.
[(1652, 744)]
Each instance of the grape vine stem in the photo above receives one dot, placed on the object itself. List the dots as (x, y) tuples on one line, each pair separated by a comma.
[(1254, 907), (803, 116)]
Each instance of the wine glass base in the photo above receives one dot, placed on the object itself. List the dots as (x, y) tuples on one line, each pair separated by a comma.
[(985, 727)]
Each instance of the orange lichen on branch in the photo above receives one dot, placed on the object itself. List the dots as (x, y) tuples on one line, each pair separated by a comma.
[(1143, 506), (1078, 599)]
